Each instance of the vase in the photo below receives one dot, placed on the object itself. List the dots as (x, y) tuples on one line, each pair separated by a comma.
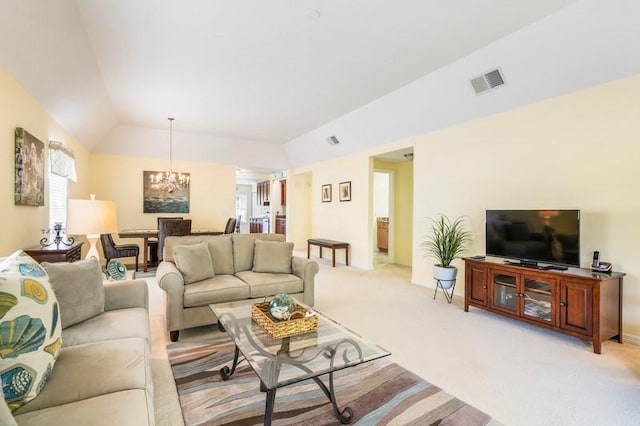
[(446, 275)]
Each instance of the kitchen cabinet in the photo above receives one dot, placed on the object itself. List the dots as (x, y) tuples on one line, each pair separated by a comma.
[(281, 225), (264, 193), (383, 234)]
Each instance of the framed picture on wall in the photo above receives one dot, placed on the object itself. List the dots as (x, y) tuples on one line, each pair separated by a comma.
[(29, 160), (345, 191), (326, 193), (165, 193)]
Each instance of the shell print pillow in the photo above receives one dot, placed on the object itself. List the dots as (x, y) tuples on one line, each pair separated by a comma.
[(30, 328)]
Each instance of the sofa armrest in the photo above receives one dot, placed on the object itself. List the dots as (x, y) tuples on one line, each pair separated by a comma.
[(126, 294), (172, 282), (306, 270)]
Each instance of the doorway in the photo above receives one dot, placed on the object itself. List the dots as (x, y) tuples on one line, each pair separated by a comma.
[(391, 208), (382, 208)]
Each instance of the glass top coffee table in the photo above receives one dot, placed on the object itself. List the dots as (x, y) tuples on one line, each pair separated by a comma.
[(281, 362)]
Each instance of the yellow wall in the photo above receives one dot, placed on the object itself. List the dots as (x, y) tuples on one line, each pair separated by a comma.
[(347, 221), (299, 203), (403, 211), (212, 195), (576, 151), (22, 225)]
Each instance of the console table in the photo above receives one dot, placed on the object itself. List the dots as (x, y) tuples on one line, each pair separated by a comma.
[(579, 302), (54, 253)]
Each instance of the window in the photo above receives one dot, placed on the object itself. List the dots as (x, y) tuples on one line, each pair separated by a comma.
[(57, 200), (63, 167)]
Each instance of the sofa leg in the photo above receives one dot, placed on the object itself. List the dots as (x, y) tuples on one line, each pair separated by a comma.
[(173, 335)]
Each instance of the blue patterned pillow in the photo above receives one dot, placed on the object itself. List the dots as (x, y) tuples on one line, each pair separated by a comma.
[(30, 328)]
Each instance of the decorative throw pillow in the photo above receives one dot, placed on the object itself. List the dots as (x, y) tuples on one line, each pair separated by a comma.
[(193, 261), (30, 328), (79, 289), (272, 256), (116, 271)]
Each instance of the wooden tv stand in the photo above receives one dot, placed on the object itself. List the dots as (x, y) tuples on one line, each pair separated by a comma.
[(577, 301)]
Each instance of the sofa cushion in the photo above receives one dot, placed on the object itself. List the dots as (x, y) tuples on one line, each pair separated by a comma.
[(272, 256), (221, 288), (193, 261), (94, 369), (243, 245), (265, 284), (78, 287), (110, 325), (30, 328), (128, 407), (221, 249)]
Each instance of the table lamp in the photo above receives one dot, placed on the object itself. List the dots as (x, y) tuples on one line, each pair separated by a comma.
[(91, 218)]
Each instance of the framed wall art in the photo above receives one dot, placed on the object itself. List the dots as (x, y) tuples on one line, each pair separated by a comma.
[(29, 159), (165, 192), (326, 193), (345, 191)]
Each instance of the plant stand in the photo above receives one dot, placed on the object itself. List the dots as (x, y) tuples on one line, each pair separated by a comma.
[(448, 294)]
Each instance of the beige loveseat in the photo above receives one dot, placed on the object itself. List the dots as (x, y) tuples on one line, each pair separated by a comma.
[(243, 266), (102, 375)]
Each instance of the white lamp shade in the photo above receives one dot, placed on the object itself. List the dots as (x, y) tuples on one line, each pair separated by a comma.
[(91, 217)]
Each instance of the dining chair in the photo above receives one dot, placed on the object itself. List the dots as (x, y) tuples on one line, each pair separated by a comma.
[(231, 226), (169, 227), (152, 244), (113, 251)]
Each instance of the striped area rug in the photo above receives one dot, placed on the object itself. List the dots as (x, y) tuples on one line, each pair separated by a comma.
[(379, 392)]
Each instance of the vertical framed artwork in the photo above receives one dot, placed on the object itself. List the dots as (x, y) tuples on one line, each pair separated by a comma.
[(345, 191), (165, 192), (326, 193), (29, 159)]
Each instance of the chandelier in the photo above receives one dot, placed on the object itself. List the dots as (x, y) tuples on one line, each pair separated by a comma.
[(169, 181)]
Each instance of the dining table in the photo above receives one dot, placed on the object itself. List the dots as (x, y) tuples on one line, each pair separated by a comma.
[(146, 234)]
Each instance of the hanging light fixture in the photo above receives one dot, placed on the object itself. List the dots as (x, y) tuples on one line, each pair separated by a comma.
[(170, 177), (170, 172)]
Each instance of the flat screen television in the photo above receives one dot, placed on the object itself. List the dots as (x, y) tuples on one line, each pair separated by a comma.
[(532, 236)]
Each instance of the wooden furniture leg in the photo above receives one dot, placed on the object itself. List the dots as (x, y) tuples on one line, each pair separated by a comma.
[(145, 256), (333, 256)]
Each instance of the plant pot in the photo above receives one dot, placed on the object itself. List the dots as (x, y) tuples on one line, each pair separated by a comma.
[(446, 275)]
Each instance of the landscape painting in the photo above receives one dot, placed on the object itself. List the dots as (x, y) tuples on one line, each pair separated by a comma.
[(166, 192), (29, 152)]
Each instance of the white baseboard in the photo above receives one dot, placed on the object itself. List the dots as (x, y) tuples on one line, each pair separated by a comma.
[(629, 338)]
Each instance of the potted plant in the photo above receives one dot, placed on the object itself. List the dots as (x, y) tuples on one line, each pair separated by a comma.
[(445, 243)]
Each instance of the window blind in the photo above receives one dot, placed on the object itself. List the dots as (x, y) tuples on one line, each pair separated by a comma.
[(57, 200)]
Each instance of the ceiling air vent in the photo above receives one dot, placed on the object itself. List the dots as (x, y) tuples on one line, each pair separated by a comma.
[(487, 81), (332, 140)]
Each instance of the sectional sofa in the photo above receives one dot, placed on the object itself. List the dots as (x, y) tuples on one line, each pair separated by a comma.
[(102, 374)]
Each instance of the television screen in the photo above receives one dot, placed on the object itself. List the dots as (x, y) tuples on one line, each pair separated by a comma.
[(551, 236)]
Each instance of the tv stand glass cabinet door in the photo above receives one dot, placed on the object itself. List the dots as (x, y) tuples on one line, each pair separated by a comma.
[(524, 295), (504, 290)]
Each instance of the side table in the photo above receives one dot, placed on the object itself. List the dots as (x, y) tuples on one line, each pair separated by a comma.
[(55, 253)]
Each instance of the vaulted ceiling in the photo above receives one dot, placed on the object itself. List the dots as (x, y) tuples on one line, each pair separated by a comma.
[(249, 71)]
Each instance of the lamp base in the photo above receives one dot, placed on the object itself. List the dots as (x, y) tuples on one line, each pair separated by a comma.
[(93, 250)]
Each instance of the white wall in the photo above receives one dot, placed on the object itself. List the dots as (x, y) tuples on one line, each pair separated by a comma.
[(144, 142), (381, 194), (585, 44)]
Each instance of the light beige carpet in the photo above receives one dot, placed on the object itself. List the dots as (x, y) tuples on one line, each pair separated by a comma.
[(518, 374)]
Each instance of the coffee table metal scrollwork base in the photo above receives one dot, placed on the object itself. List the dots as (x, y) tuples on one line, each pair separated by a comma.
[(281, 362)]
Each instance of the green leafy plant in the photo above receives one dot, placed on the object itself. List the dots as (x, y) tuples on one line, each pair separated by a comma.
[(447, 240)]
